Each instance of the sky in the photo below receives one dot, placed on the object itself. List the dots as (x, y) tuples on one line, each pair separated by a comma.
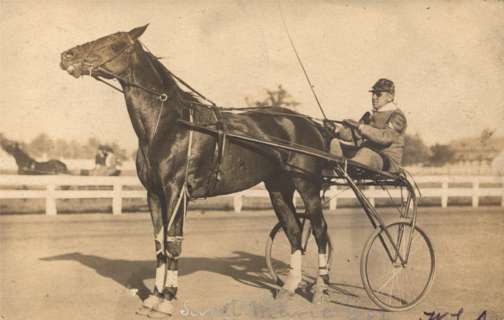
[(445, 57)]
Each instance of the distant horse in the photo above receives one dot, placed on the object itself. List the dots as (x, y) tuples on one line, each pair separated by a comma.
[(176, 164), (27, 165)]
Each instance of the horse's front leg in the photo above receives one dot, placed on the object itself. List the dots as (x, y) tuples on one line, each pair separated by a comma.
[(156, 211), (175, 205)]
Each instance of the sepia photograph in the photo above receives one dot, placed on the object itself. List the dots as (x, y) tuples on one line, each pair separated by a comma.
[(270, 159)]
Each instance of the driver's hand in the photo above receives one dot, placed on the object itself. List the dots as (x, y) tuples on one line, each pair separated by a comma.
[(329, 125), (351, 123)]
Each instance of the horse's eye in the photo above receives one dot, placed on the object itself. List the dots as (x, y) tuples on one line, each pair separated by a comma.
[(117, 46)]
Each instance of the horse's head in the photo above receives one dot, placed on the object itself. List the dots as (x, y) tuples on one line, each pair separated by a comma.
[(9, 146), (110, 53)]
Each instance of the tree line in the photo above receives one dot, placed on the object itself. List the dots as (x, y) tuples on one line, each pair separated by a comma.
[(44, 146), (416, 151)]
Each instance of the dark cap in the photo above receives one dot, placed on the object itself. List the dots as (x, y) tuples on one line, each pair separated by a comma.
[(383, 85), (105, 147)]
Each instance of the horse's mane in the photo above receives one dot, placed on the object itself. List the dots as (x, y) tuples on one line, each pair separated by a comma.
[(168, 80), (19, 154)]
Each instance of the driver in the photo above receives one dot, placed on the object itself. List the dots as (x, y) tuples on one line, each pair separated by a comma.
[(382, 132)]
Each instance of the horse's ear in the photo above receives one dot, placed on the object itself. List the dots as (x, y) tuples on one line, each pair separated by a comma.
[(137, 32)]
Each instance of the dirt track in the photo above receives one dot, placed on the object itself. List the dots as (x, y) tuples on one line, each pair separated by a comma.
[(100, 266)]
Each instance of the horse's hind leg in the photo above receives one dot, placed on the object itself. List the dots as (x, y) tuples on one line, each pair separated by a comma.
[(281, 190), (310, 193)]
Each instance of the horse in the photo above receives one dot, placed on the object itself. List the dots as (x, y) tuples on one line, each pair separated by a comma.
[(176, 163), (29, 166)]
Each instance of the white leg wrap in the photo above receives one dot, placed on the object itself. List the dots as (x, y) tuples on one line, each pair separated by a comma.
[(159, 237), (294, 277), (160, 277), (322, 258), (295, 263), (171, 278)]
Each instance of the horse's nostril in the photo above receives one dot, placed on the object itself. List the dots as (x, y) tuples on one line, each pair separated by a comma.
[(67, 55)]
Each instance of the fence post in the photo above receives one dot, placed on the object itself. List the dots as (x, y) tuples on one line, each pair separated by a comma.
[(333, 202), (117, 199), (51, 200), (332, 193), (475, 193), (444, 192), (502, 188), (371, 198), (238, 202)]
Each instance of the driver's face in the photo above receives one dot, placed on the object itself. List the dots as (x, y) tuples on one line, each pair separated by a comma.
[(380, 98)]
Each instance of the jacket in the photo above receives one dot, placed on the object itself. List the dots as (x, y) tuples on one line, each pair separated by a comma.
[(385, 133)]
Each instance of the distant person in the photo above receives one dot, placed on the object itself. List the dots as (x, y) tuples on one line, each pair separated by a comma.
[(100, 157), (381, 132), (105, 162), (111, 164)]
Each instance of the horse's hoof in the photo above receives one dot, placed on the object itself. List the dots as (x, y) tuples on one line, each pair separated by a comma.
[(320, 298), (148, 304), (320, 295), (162, 309), (151, 301), (153, 314), (143, 311), (283, 294)]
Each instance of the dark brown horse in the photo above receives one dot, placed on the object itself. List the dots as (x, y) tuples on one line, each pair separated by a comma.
[(28, 165), (176, 164)]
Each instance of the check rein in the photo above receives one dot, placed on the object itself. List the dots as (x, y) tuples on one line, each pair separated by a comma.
[(184, 195)]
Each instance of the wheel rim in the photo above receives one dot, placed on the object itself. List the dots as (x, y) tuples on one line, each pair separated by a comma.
[(395, 286)]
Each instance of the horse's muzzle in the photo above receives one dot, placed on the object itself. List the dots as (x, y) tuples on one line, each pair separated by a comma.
[(71, 69)]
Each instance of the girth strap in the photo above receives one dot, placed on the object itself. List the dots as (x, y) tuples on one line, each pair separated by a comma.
[(220, 147)]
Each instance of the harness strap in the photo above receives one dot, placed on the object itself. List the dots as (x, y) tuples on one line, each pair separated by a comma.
[(222, 127), (220, 147), (184, 195), (161, 96)]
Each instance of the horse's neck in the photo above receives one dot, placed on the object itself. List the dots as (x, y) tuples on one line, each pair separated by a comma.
[(22, 159), (149, 115)]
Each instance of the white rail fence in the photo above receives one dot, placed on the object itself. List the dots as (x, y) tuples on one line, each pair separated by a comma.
[(51, 188)]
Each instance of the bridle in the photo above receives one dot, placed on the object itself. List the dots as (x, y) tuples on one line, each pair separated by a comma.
[(100, 68), (162, 97), (184, 195)]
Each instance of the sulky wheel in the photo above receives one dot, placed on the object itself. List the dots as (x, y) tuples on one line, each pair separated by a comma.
[(390, 283), (278, 251)]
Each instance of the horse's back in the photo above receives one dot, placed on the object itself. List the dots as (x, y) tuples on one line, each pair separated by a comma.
[(286, 127), (246, 164)]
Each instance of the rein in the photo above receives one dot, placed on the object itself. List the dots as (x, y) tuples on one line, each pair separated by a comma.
[(161, 96), (184, 195)]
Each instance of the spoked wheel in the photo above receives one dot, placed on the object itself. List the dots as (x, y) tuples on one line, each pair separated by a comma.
[(393, 283), (278, 251)]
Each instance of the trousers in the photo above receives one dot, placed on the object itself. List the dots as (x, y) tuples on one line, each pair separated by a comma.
[(364, 155)]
